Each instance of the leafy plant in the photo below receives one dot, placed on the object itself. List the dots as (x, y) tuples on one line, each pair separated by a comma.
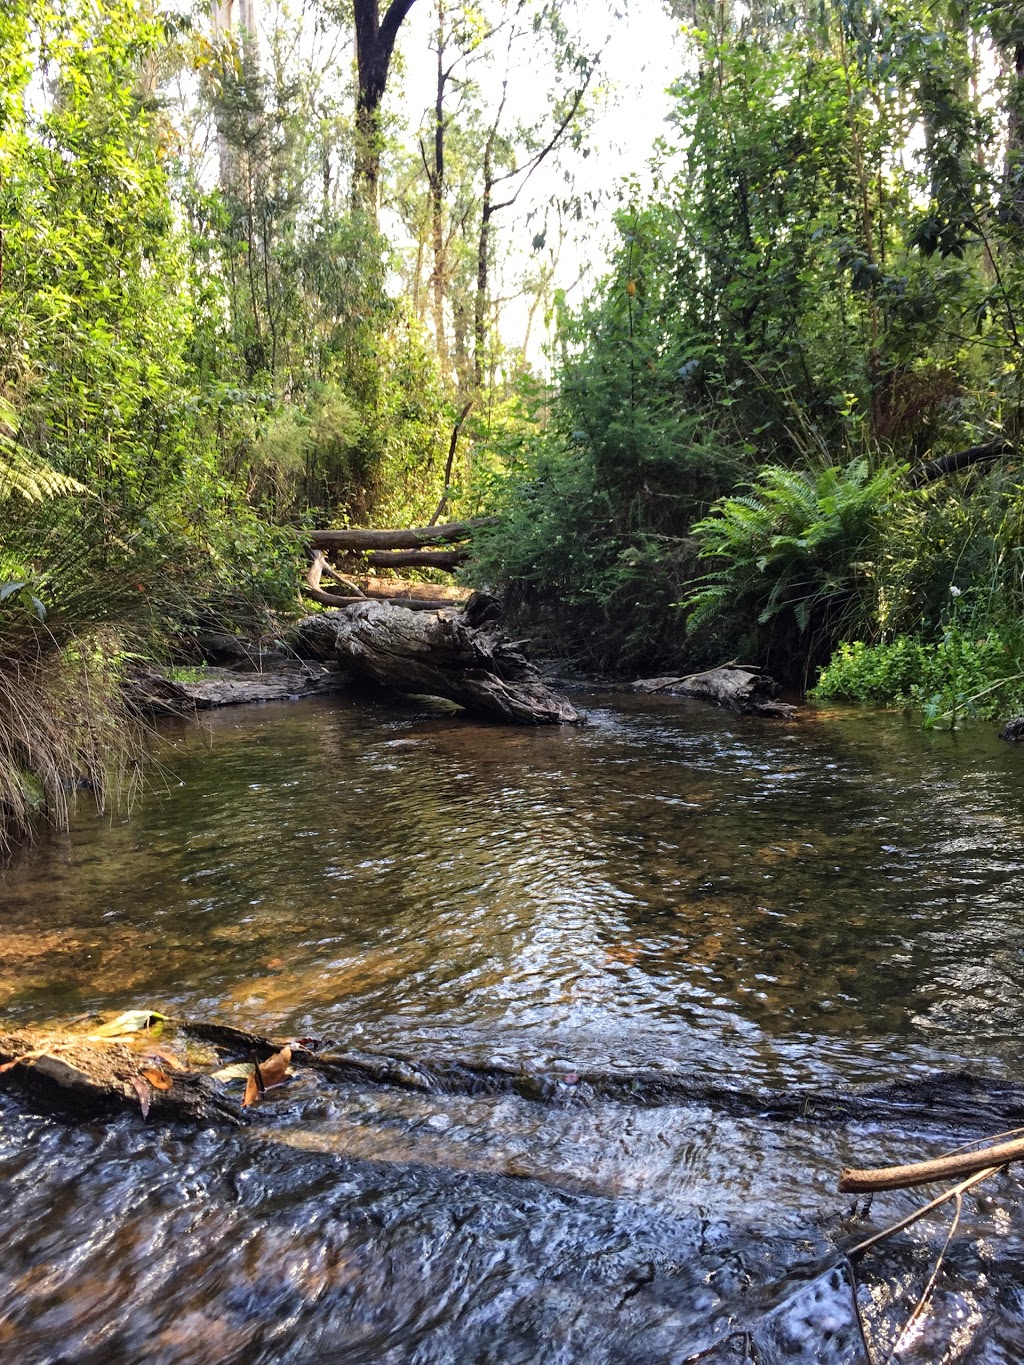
[(792, 557)]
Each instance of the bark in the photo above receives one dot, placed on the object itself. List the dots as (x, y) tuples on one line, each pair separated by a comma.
[(412, 538), (459, 655), (960, 459), (742, 690)]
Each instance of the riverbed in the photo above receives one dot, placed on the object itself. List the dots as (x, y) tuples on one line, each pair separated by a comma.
[(735, 923)]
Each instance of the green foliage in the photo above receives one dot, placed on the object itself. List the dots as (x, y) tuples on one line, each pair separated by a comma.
[(793, 556), (959, 675)]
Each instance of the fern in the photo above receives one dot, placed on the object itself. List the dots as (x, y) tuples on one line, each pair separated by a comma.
[(785, 550), (24, 473)]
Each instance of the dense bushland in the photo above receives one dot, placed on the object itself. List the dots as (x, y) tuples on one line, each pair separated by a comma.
[(824, 293)]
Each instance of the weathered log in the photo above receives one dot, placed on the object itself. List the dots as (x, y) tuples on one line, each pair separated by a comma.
[(219, 687), (952, 1167), (402, 590), (459, 655), (739, 689), (959, 460), (446, 560), (79, 1076), (411, 538)]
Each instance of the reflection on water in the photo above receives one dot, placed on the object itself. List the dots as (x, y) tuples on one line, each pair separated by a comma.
[(813, 905)]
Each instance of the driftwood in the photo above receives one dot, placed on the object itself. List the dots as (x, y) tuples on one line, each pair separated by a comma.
[(951, 1167), (412, 538), (739, 689), (959, 460), (460, 655)]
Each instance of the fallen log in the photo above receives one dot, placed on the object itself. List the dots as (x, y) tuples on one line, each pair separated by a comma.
[(952, 1167), (220, 687), (83, 1076), (446, 560), (411, 538), (961, 459), (734, 687), (459, 655)]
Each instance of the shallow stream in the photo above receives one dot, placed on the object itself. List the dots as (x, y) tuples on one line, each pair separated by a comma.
[(708, 948)]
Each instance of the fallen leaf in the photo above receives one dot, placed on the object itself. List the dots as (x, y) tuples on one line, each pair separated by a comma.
[(144, 1093), (6, 1066), (157, 1054), (132, 1021), (275, 1068), (275, 963), (158, 1079), (252, 1090), (266, 1074), (237, 1071)]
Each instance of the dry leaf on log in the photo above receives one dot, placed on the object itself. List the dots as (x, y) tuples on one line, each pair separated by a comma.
[(266, 1074)]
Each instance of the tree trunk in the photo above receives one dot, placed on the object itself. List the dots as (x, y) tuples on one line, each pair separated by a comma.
[(459, 655), (375, 44)]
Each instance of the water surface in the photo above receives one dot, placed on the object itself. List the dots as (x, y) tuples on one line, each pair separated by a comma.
[(738, 904)]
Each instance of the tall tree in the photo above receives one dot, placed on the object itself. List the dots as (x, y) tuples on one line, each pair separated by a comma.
[(375, 45)]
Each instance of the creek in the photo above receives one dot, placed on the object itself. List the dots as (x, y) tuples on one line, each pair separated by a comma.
[(696, 937)]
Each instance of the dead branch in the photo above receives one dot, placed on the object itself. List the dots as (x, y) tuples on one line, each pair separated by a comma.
[(920, 1213), (950, 1167), (960, 459), (320, 566)]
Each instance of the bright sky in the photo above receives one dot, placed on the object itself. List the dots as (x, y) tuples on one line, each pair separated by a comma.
[(643, 52)]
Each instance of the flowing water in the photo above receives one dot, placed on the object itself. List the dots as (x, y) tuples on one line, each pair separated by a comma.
[(691, 964)]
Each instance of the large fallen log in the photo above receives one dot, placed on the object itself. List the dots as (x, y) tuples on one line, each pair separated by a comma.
[(743, 690), (460, 655), (411, 538)]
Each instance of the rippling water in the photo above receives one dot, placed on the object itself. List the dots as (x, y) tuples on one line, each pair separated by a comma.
[(744, 906)]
